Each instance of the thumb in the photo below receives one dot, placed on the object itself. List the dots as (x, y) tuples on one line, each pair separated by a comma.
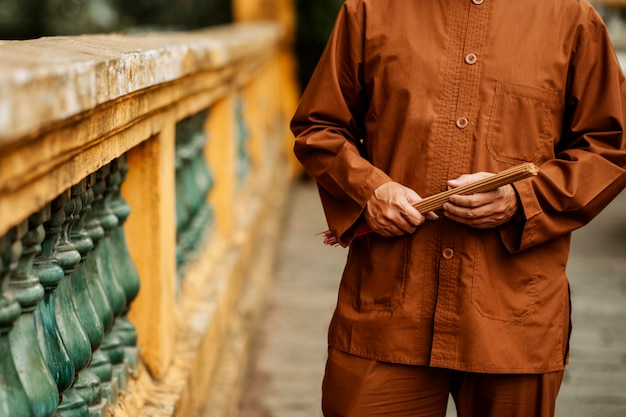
[(457, 182)]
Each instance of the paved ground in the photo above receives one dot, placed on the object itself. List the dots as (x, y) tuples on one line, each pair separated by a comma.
[(291, 348)]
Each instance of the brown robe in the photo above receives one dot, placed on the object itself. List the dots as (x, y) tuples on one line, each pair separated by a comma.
[(422, 91)]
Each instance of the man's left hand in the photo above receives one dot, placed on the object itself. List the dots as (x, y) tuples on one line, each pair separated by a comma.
[(481, 210)]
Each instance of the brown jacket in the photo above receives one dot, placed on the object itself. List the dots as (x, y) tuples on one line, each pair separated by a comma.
[(420, 92)]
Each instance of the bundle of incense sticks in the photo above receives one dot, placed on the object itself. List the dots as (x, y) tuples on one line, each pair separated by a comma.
[(436, 202)]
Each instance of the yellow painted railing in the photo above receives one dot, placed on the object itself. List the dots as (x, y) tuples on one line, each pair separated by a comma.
[(78, 110)]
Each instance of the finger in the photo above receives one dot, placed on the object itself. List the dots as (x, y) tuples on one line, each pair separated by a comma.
[(473, 200), (390, 230), (408, 226), (395, 223), (457, 182), (468, 178), (482, 217), (380, 223), (431, 215), (469, 213), (476, 222), (412, 215), (398, 223)]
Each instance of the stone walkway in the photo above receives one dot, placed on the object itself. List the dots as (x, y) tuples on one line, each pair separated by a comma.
[(290, 351)]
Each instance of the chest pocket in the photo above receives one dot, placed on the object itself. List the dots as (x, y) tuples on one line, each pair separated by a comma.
[(520, 123)]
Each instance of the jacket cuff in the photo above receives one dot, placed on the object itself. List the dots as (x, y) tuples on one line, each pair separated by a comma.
[(346, 226), (517, 233)]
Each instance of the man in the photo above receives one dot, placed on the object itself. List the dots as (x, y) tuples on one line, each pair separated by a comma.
[(411, 98)]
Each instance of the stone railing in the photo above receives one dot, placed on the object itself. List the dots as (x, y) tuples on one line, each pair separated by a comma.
[(142, 182)]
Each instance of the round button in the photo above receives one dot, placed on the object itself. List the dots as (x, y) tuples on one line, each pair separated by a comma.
[(447, 253), (477, 2), (470, 59), (462, 123)]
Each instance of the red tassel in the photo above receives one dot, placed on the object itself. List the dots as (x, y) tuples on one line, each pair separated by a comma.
[(330, 240)]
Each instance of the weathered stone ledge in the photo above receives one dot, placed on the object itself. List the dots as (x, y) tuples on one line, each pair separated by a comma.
[(46, 80)]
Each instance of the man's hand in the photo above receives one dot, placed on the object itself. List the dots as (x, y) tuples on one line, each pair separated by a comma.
[(481, 210), (389, 211)]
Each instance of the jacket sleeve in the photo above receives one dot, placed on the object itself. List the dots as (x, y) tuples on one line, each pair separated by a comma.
[(328, 127), (589, 168)]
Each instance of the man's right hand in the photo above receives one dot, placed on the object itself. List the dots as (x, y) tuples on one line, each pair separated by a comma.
[(389, 212)]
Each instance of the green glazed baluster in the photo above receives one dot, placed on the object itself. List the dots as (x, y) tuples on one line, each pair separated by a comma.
[(123, 267), (88, 384), (108, 221), (113, 348), (13, 399), (101, 367), (201, 224), (72, 405), (192, 184), (95, 232), (34, 374), (89, 387), (182, 214), (202, 221), (193, 195), (243, 137), (100, 363), (184, 197), (87, 314), (47, 269), (202, 174), (193, 189), (74, 337), (112, 345)]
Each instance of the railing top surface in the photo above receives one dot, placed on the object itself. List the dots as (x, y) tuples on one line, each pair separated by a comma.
[(46, 80)]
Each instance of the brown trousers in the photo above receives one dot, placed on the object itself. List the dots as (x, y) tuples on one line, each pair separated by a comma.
[(359, 387)]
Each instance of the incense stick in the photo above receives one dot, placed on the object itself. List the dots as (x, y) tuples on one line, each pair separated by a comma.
[(436, 201)]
